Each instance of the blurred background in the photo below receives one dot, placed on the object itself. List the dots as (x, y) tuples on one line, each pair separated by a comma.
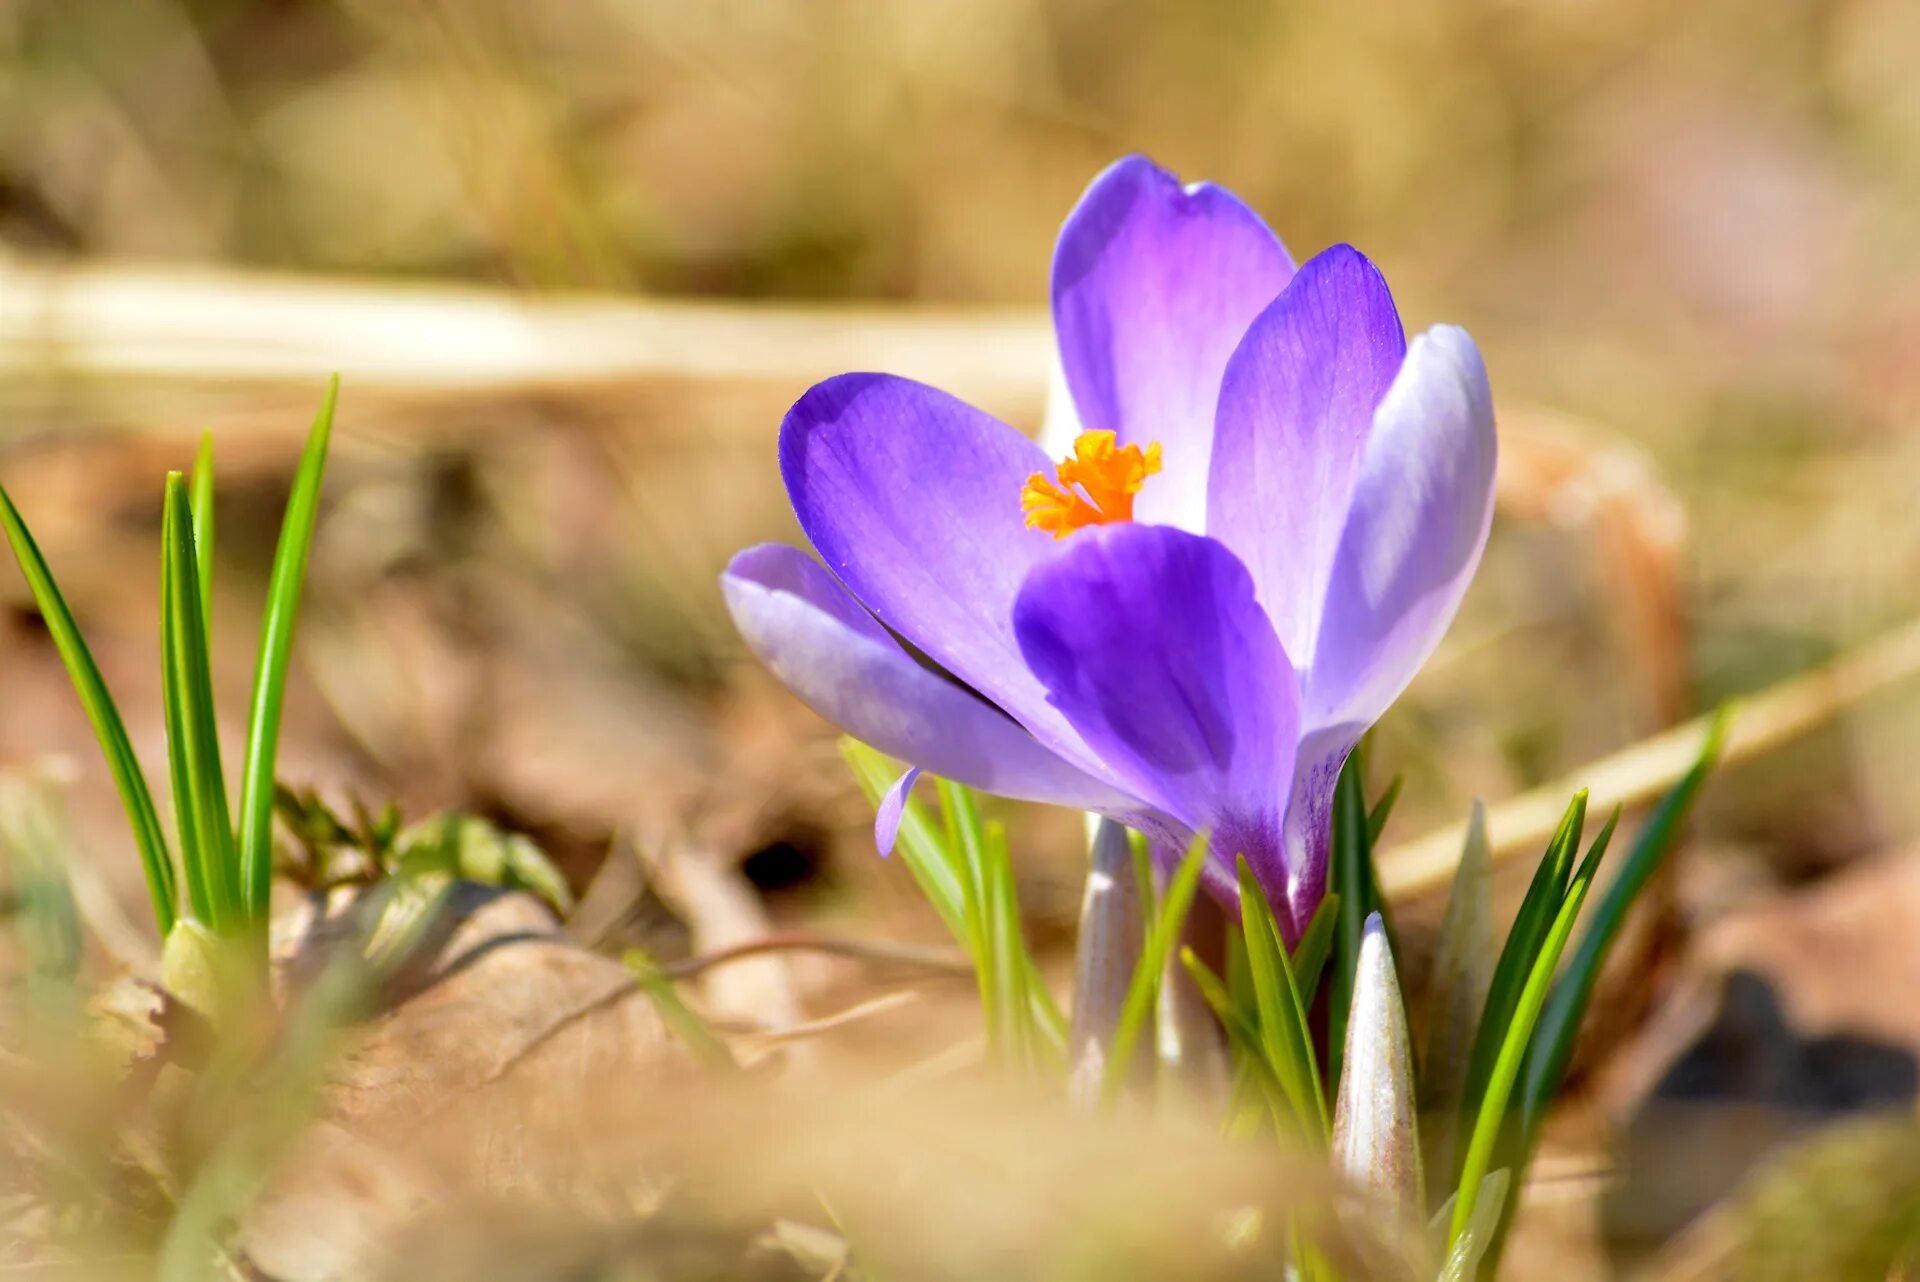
[(574, 260)]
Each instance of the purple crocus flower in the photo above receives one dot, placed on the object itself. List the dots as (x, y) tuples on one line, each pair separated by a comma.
[(1190, 623)]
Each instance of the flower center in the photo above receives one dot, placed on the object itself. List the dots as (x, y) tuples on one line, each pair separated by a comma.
[(1093, 486)]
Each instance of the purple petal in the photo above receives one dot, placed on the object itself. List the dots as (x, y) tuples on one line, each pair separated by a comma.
[(1309, 828), (1296, 407), (845, 666), (1422, 504), (887, 815), (912, 498), (1153, 286), (1150, 641)]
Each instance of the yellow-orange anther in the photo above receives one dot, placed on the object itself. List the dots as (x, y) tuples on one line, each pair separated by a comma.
[(1095, 486)]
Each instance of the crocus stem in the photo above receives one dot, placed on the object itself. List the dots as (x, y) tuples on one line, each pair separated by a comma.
[(1108, 950)]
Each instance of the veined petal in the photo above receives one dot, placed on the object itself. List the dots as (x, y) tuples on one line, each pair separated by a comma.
[(1149, 640), (1153, 286), (844, 665), (1422, 505), (912, 498), (1296, 407), (1309, 829)]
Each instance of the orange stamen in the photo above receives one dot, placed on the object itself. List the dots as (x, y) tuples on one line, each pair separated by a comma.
[(1095, 486)]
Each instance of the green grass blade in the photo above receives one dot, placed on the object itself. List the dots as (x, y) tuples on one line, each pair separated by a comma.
[(1461, 1261), (33, 849), (685, 1023), (202, 495), (1492, 1119), (939, 871), (1531, 926), (1315, 946), (142, 817), (934, 867), (962, 821), (1254, 1091), (1456, 994), (276, 651), (1213, 990), (193, 739), (186, 815), (1284, 1031), (1352, 880), (1567, 1004), (1383, 809), (1143, 994), (1008, 946)]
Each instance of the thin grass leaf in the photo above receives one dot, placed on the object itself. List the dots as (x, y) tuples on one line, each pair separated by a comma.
[(933, 865), (202, 502), (1254, 1091), (939, 871), (1006, 942), (1214, 990), (1513, 1146), (694, 1032), (1567, 1004), (193, 740), (1315, 946), (1456, 994), (186, 815), (1493, 1120), (1462, 1259), (102, 714), (45, 919), (1282, 1016), (1143, 994), (1352, 880), (276, 651), (962, 822), (1243, 1033), (1531, 926), (1383, 809)]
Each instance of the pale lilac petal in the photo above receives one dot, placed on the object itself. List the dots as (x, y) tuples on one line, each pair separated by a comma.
[(887, 815), (1296, 407), (1149, 639), (912, 498), (1421, 508), (842, 664), (1153, 285)]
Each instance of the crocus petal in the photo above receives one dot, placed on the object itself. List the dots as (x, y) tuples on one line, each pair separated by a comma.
[(1422, 503), (912, 498), (1150, 641), (1296, 406), (844, 665), (1153, 285), (1059, 417), (1309, 828), (887, 815)]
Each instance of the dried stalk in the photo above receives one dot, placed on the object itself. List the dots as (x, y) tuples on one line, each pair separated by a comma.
[(1638, 774)]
